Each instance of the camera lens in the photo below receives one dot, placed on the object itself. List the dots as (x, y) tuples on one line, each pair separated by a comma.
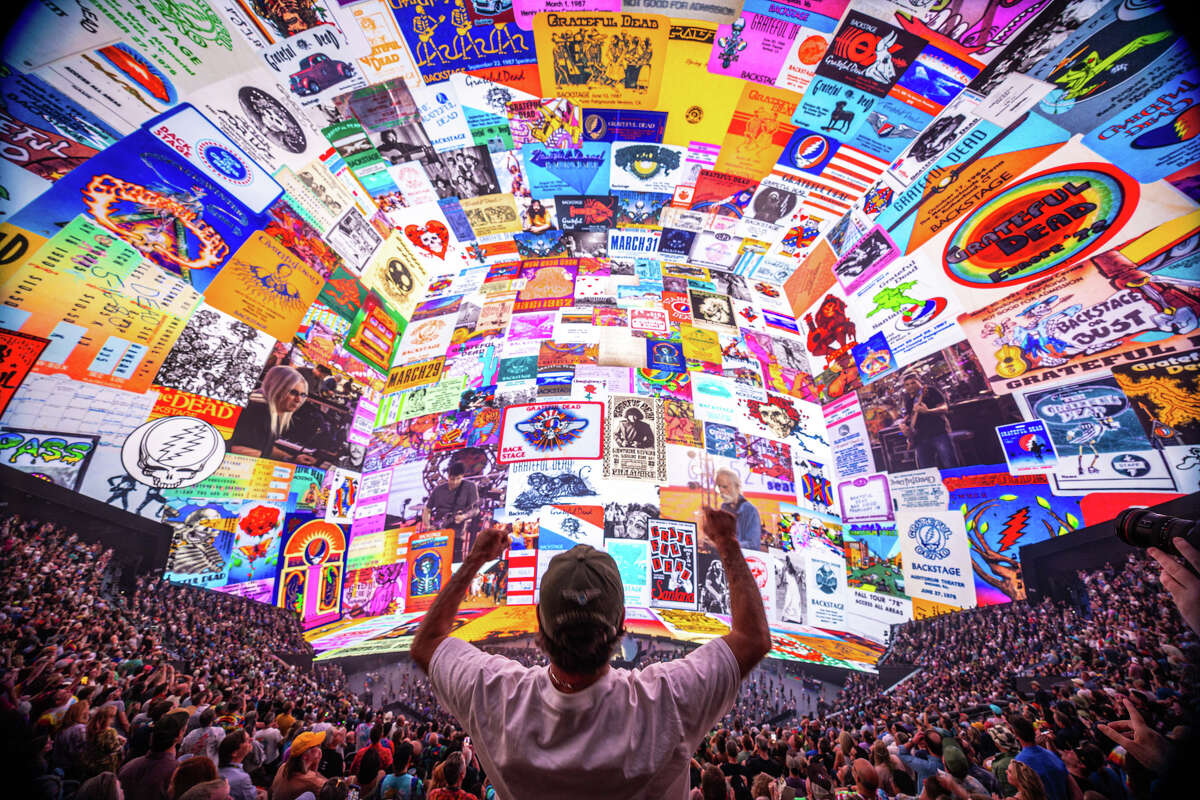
[(1140, 527)]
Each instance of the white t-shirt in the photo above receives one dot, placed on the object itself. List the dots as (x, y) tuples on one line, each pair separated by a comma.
[(631, 734), (271, 739), (203, 742)]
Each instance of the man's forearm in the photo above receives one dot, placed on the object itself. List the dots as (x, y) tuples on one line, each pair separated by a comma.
[(748, 617), (748, 614), (436, 624)]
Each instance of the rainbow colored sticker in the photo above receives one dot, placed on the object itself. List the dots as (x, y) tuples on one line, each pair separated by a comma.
[(1047, 221)]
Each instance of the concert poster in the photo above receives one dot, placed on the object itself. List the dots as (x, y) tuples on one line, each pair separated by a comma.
[(673, 566), (635, 439), (629, 75), (428, 561)]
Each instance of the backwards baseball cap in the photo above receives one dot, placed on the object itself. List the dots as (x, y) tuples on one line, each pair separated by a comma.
[(956, 762), (581, 585)]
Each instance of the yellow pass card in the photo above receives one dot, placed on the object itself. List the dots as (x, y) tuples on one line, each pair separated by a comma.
[(698, 103), (264, 285), (700, 345), (758, 132)]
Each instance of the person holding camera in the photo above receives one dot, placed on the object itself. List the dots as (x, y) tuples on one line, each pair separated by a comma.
[(1182, 583)]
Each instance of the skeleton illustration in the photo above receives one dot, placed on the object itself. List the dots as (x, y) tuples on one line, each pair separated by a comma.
[(427, 580), (733, 44), (1086, 434), (194, 551), (1035, 334)]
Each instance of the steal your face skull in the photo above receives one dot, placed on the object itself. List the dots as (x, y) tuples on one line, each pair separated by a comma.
[(174, 451)]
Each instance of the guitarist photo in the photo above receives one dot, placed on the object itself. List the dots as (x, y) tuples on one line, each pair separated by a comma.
[(452, 504), (926, 424)]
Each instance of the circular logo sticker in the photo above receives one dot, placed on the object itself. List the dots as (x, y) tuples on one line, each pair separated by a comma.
[(171, 452), (315, 550), (811, 50), (914, 316), (315, 542), (595, 126), (225, 162), (810, 151), (1046, 221), (1130, 465), (825, 579), (931, 535)]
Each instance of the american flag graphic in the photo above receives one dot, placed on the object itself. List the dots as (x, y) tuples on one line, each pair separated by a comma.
[(847, 176)]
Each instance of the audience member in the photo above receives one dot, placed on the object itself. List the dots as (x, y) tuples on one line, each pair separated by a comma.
[(298, 774)]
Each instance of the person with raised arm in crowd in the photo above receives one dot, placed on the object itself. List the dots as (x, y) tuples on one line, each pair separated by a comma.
[(579, 727)]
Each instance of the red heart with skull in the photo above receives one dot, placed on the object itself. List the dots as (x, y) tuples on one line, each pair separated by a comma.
[(432, 237)]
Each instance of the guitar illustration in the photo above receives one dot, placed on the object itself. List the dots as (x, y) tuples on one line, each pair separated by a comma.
[(1161, 430), (1010, 361)]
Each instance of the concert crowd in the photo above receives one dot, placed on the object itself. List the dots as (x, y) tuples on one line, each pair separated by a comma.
[(764, 695), (173, 693)]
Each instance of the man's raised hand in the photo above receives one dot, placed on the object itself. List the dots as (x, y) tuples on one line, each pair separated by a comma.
[(719, 527), (491, 543)]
